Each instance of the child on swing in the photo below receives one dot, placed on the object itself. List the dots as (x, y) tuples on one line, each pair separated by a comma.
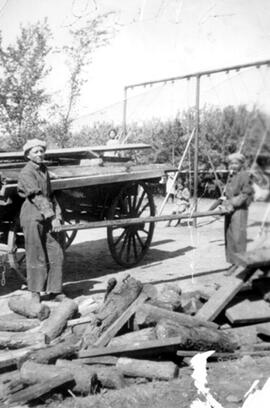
[(182, 197)]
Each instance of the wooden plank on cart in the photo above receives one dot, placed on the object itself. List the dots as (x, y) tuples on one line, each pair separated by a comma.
[(115, 175), (211, 309), (77, 151)]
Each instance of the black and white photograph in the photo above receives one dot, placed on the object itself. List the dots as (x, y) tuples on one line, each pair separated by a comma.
[(135, 203)]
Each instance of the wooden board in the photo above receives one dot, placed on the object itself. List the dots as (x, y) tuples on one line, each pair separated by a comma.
[(255, 258), (211, 309), (248, 311), (114, 176), (77, 151), (157, 346)]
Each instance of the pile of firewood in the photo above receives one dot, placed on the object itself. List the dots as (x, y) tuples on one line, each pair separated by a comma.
[(137, 331)]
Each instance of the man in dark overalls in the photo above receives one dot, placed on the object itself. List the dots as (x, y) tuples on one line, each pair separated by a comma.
[(239, 195), (40, 219)]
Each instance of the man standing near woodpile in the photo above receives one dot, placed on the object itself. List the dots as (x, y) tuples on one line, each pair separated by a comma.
[(238, 197), (40, 219)]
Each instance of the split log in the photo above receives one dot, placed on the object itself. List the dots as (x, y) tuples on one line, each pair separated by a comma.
[(148, 315), (18, 340), (109, 377), (162, 370), (196, 338), (57, 321), (28, 307), (11, 357), (118, 300), (50, 354), (133, 337), (37, 390), (17, 324), (32, 373)]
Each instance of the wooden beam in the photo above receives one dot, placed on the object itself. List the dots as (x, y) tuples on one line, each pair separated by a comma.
[(154, 346), (211, 309), (105, 338)]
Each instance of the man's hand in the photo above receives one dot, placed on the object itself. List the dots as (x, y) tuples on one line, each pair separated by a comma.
[(56, 225), (228, 207)]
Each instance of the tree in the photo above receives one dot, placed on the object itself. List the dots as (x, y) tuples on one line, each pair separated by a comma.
[(23, 67), (85, 41)]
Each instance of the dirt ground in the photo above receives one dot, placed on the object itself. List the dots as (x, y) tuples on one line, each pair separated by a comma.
[(184, 256)]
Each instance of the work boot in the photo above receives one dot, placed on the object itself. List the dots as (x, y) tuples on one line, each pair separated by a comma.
[(230, 270), (57, 297)]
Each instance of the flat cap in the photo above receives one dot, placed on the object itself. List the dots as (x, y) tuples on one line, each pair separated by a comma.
[(236, 156), (33, 143)]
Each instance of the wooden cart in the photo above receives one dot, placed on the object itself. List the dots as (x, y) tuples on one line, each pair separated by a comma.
[(88, 189)]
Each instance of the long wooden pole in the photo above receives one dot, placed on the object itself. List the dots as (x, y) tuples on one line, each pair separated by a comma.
[(124, 125), (196, 147), (256, 64), (139, 220), (176, 173)]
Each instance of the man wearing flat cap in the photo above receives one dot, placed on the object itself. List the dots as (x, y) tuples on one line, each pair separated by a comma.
[(239, 195), (40, 219)]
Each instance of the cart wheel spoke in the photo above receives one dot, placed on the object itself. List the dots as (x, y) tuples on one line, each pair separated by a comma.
[(139, 239), (123, 246), (140, 201), (128, 248), (134, 247), (69, 236), (116, 242), (143, 209)]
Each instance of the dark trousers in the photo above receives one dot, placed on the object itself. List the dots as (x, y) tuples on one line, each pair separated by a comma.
[(44, 257), (235, 233)]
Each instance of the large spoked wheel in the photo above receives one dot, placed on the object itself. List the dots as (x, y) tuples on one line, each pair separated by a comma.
[(129, 244), (69, 236), (16, 251)]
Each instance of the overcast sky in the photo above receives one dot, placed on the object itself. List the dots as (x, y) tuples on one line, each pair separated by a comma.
[(156, 39)]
